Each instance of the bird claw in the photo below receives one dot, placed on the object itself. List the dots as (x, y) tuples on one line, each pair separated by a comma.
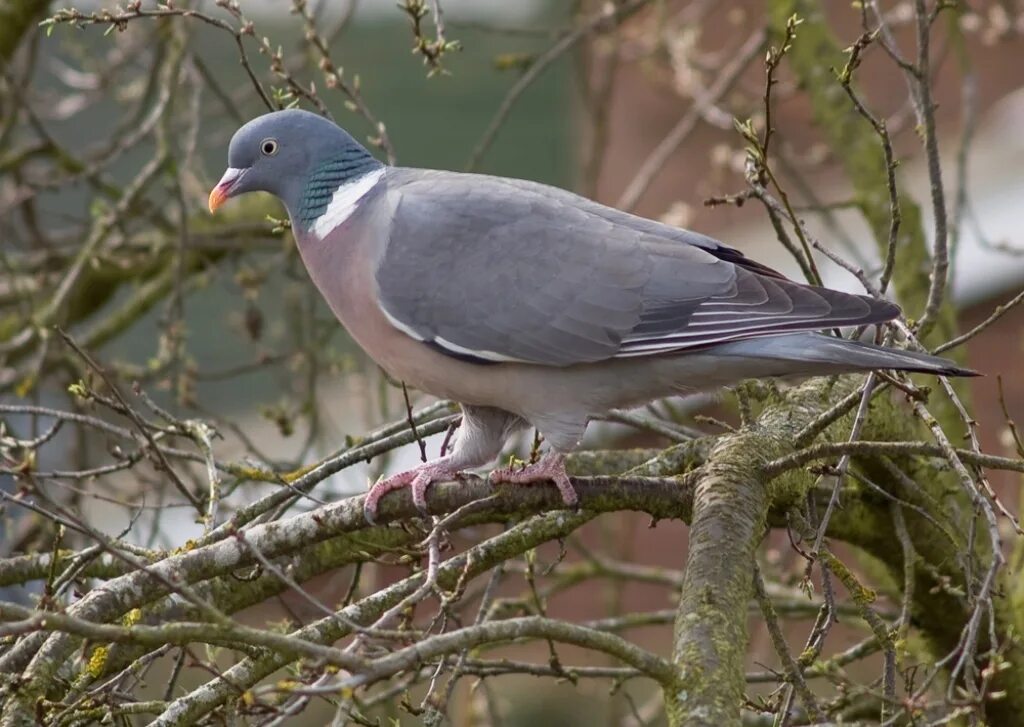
[(417, 480), (551, 468)]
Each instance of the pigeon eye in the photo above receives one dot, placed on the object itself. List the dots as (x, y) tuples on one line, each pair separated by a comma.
[(268, 147)]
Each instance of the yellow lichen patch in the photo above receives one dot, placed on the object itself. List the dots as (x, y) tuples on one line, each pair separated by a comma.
[(254, 474), (185, 547), (132, 617), (290, 477), (98, 661)]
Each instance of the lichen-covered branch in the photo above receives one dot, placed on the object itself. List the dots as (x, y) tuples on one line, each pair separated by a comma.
[(731, 504)]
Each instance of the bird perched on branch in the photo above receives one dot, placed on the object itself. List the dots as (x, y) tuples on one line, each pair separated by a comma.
[(530, 305)]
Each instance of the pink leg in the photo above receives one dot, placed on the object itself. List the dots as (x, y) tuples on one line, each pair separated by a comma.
[(550, 468), (417, 479)]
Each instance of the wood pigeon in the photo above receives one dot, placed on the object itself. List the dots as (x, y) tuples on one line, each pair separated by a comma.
[(530, 305)]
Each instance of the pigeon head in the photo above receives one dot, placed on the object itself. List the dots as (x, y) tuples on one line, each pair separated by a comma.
[(299, 157)]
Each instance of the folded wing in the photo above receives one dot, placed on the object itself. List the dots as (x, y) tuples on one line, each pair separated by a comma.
[(489, 270)]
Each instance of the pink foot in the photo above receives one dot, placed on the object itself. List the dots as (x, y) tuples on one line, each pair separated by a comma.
[(417, 479), (550, 468)]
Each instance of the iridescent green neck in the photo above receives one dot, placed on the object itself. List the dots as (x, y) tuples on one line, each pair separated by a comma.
[(346, 167)]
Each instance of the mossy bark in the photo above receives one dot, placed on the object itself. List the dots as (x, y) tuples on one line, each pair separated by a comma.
[(730, 511), (731, 506)]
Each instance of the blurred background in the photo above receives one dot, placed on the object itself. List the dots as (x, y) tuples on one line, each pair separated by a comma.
[(216, 319)]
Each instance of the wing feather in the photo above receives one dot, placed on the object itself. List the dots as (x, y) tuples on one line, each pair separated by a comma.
[(491, 269)]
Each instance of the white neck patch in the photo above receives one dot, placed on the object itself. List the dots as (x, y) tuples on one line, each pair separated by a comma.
[(344, 202)]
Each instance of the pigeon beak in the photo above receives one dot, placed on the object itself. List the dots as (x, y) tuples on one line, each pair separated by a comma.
[(222, 191)]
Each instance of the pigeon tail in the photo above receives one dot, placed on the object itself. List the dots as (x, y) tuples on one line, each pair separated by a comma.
[(815, 353)]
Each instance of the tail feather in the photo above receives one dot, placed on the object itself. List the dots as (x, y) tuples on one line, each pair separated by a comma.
[(815, 353)]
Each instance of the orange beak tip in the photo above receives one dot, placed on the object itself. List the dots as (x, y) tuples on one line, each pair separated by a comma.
[(222, 191), (217, 197)]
